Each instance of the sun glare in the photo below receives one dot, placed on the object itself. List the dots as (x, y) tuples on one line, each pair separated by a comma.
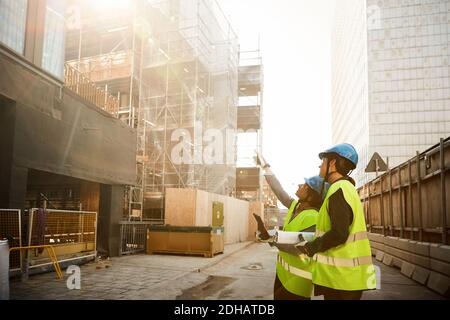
[(111, 4)]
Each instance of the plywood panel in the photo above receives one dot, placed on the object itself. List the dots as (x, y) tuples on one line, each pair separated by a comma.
[(189, 208), (396, 208), (431, 203), (375, 212), (203, 209), (236, 220), (243, 217), (180, 207)]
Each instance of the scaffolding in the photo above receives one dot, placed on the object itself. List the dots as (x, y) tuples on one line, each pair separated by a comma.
[(250, 124), (173, 65)]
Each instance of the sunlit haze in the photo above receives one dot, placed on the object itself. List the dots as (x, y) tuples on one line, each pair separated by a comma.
[(295, 42)]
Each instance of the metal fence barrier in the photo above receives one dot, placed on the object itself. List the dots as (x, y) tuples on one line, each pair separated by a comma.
[(72, 234), (11, 229), (411, 200), (133, 236)]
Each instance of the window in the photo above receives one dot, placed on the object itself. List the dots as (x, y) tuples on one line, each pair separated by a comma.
[(53, 53), (13, 15)]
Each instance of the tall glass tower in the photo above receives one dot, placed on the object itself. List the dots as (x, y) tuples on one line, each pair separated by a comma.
[(391, 91)]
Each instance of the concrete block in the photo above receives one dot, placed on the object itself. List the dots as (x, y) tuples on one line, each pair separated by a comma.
[(407, 269), (420, 260), (440, 266), (402, 244), (420, 248), (409, 257), (379, 255), (439, 283), (376, 237), (390, 241), (397, 262), (374, 252), (421, 275), (440, 252), (387, 259), (397, 253), (377, 245)]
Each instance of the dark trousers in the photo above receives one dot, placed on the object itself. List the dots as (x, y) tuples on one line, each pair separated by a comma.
[(333, 294), (280, 292)]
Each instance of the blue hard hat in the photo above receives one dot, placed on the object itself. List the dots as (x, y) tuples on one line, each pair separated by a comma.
[(344, 150), (315, 183)]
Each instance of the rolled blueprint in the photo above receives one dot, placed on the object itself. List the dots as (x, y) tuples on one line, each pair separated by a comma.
[(286, 237)]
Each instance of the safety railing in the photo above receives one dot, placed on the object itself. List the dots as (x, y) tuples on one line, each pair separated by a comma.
[(84, 87), (133, 237), (105, 67), (72, 234), (50, 252), (11, 229)]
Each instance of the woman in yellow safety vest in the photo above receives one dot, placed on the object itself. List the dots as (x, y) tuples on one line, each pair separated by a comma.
[(341, 254), (293, 278)]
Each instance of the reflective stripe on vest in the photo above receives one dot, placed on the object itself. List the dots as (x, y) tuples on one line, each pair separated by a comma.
[(342, 262), (348, 266), (351, 238), (295, 271)]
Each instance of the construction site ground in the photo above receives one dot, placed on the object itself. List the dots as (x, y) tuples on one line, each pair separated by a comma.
[(246, 271)]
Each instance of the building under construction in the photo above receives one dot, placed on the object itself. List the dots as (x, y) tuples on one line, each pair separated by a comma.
[(173, 68), (59, 150), (249, 185)]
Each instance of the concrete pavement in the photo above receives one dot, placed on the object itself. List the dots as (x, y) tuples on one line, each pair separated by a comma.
[(245, 272)]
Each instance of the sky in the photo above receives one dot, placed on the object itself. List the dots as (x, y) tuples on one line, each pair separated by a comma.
[(295, 43)]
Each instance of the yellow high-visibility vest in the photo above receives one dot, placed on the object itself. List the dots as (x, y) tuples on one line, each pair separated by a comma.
[(349, 266), (294, 272)]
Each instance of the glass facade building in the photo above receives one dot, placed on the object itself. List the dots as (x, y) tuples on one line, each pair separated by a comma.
[(35, 30), (13, 16), (350, 110), (54, 50), (393, 99)]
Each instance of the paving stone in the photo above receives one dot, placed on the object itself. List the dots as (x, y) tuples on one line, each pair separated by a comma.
[(117, 291), (149, 281), (94, 294)]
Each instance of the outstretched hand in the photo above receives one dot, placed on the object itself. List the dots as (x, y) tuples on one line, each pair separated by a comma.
[(263, 234), (260, 161)]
